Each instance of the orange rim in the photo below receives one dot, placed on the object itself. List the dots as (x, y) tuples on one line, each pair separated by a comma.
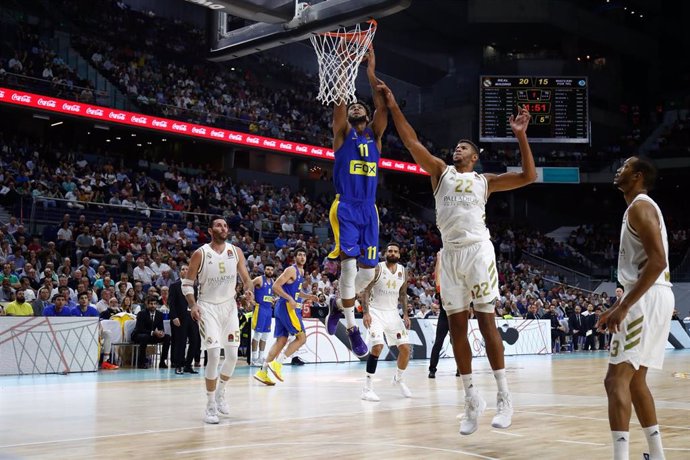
[(352, 35)]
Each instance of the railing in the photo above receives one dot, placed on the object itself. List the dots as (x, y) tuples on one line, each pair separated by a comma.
[(569, 276), (50, 88)]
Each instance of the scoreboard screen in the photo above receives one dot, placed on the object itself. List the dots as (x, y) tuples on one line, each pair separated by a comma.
[(558, 105)]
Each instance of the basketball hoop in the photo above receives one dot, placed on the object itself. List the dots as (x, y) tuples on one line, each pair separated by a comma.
[(339, 54)]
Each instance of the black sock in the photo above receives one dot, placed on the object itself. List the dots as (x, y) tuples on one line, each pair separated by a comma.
[(372, 361)]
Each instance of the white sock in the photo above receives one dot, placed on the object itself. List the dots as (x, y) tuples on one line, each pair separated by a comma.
[(349, 316), (467, 383), (653, 435), (399, 374), (220, 389), (369, 381), (281, 357), (501, 381), (621, 445), (261, 356), (264, 366), (211, 396), (106, 357), (255, 355)]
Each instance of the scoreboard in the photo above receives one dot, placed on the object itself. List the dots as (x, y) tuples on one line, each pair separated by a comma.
[(558, 105)]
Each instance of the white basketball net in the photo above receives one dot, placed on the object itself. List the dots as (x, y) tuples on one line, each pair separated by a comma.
[(339, 54)]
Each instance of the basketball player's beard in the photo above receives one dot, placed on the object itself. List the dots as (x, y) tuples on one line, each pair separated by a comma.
[(392, 260), (357, 120)]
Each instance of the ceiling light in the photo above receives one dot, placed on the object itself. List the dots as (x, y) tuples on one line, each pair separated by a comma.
[(57, 123), (107, 140), (118, 138), (138, 145), (133, 135)]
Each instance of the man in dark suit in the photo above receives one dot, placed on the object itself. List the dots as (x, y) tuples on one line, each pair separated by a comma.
[(149, 329), (578, 324), (591, 326), (183, 327), (557, 330), (532, 312)]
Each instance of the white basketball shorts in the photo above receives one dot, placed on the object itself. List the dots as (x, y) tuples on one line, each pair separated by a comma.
[(469, 274), (387, 323), (219, 325), (641, 340)]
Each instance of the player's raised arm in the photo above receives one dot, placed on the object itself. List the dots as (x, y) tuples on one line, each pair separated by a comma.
[(380, 118), (513, 180), (188, 283), (434, 166), (288, 275), (244, 275)]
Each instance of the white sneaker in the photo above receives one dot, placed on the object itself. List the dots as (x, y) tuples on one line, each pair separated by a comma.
[(474, 408), (222, 405), (403, 388), (504, 411), (211, 414), (369, 395)]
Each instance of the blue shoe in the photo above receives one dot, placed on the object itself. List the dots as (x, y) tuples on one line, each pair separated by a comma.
[(357, 344), (334, 315)]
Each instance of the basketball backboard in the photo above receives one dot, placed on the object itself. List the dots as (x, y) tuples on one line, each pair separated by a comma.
[(278, 22)]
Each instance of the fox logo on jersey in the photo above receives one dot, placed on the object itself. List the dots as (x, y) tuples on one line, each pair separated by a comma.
[(363, 168)]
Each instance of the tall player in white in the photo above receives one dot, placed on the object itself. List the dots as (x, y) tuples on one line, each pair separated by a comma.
[(639, 321), (380, 306), (216, 265), (468, 263)]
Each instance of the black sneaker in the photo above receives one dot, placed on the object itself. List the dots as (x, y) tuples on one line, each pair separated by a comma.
[(297, 361), (190, 370), (432, 374), (179, 371), (457, 373)]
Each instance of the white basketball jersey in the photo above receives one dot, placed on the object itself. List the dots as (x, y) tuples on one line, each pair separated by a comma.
[(218, 274), (386, 289), (461, 207), (631, 256)]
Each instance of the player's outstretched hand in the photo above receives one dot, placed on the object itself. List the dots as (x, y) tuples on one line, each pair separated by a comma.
[(519, 124), (386, 92), (196, 312), (366, 320), (370, 57), (611, 318)]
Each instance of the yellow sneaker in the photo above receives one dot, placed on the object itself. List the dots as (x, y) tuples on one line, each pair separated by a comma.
[(262, 376), (277, 369)]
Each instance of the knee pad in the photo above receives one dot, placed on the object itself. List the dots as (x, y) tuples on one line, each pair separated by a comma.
[(211, 372), (363, 278), (348, 273), (230, 361)]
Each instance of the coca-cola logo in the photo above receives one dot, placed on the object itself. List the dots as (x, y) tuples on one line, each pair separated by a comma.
[(21, 98), (317, 151), (236, 137), (116, 115), (46, 102), (159, 123), (218, 134), (386, 163), (253, 140), (268, 143), (284, 145), (301, 149), (399, 165), (138, 120), (411, 168), (2, 94), (71, 107), (196, 130), (179, 127), (97, 112)]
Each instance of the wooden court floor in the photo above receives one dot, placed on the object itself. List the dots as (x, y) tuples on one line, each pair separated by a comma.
[(316, 413)]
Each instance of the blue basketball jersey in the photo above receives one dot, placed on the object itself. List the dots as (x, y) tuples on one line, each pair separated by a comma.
[(293, 289), (263, 295), (355, 173)]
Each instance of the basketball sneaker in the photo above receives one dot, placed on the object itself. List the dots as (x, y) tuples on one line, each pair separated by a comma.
[(276, 369), (504, 411), (474, 408), (369, 395), (105, 365), (221, 404), (334, 315), (403, 388), (262, 376), (211, 414), (357, 344)]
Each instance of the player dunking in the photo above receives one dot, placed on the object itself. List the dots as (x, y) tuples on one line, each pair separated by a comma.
[(468, 263), (353, 215), (216, 265), (380, 305), (261, 318), (288, 314), (639, 321)]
